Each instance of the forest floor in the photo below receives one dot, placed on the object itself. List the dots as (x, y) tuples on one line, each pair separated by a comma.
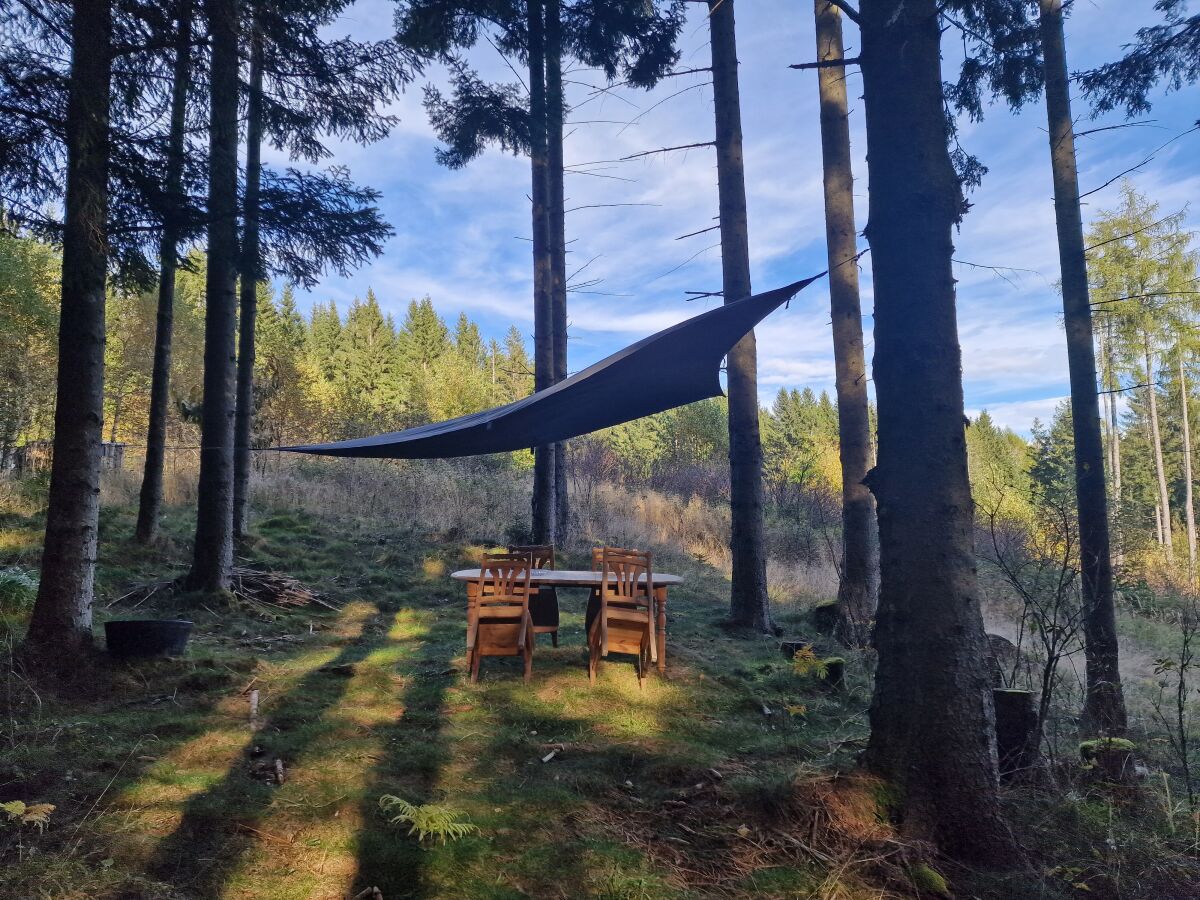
[(732, 777)]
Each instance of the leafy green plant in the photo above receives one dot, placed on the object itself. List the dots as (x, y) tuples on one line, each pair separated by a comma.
[(37, 814), (430, 820), (806, 662)]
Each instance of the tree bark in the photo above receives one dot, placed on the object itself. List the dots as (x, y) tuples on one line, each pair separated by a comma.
[(1160, 470), (1188, 503), (1111, 385), (213, 552), (556, 210), (858, 587), (1104, 706), (932, 719), (748, 603), (543, 315), (61, 624), (251, 272), (150, 500)]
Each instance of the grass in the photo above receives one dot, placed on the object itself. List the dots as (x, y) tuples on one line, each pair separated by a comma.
[(162, 788), (733, 777)]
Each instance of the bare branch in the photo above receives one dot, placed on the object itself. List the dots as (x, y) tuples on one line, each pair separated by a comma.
[(694, 233), (667, 150), (829, 63)]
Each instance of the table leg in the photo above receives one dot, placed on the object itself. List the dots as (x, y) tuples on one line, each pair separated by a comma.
[(472, 597), (660, 601)]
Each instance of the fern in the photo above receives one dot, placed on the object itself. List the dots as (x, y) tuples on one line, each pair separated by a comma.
[(430, 820), (806, 662), (37, 815)]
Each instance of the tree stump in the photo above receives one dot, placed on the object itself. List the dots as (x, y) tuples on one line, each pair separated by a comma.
[(835, 671), (825, 616), (1110, 758), (1001, 659), (1016, 727)]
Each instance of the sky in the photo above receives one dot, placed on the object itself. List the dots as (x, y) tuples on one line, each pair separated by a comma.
[(462, 237)]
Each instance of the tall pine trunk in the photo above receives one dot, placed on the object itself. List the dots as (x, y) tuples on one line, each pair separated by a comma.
[(212, 556), (1112, 387), (150, 499), (932, 720), (748, 604), (1160, 470), (857, 590), (1188, 504), (61, 625), (543, 328), (558, 242), (1104, 706), (251, 271)]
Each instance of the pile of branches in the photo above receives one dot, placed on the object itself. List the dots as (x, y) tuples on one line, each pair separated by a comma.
[(255, 588), (275, 589)]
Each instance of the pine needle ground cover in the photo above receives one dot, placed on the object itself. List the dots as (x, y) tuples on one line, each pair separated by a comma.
[(731, 778)]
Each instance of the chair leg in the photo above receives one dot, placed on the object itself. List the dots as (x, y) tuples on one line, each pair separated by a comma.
[(554, 638), (593, 653), (475, 667), (641, 667), (528, 654)]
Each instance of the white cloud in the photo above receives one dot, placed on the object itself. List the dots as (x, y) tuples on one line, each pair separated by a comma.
[(459, 232)]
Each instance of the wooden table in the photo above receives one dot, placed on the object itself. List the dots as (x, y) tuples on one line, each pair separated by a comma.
[(588, 579)]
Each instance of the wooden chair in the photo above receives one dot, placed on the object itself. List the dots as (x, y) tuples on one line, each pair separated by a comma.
[(543, 602), (593, 604), (624, 622), (498, 622)]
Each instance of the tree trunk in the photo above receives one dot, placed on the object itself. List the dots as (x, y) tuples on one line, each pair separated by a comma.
[(1104, 707), (932, 719), (251, 271), (558, 242), (213, 552), (150, 500), (61, 625), (116, 419), (857, 590), (1188, 505), (543, 315), (748, 603), (1160, 470), (1111, 385)]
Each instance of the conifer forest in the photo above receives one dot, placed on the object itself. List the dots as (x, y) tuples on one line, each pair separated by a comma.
[(639, 449)]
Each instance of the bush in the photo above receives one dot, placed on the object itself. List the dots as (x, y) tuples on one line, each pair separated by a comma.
[(18, 588)]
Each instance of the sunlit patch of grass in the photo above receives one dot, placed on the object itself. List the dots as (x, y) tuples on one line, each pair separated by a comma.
[(408, 624)]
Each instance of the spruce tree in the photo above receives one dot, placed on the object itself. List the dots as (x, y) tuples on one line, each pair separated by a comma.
[(61, 624), (212, 555)]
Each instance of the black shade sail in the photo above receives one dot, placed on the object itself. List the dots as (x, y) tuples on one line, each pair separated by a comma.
[(678, 365)]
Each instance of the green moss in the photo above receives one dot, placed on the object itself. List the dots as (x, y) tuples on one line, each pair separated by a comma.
[(889, 798), (928, 880), (1089, 749)]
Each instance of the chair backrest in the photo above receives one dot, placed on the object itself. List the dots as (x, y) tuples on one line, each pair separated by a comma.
[(626, 575), (541, 556), (504, 577)]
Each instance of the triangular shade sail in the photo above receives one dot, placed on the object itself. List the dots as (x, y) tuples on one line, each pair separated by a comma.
[(679, 365)]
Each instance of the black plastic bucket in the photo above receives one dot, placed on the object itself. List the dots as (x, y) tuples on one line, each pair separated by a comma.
[(146, 637)]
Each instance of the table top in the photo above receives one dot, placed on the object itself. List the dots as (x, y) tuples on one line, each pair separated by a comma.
[(569, 577)]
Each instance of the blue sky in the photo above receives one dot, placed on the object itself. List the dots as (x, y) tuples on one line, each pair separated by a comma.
[(462, 236)]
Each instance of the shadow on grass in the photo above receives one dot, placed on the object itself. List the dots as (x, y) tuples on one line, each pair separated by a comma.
[(219, 824), (416, 753)]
